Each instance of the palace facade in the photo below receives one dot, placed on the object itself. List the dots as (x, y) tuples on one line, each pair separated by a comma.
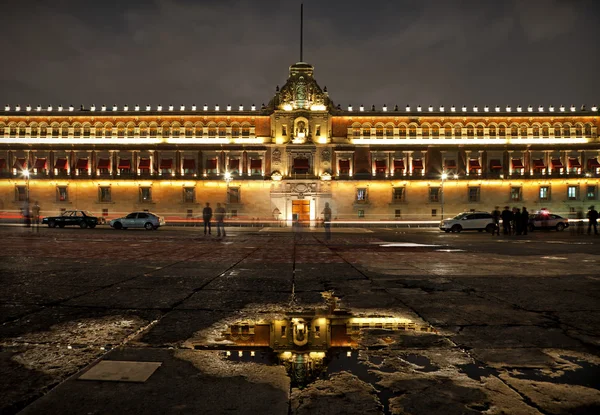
[(287, 159)]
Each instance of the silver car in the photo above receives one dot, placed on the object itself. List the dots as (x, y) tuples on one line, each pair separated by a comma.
[(145, 220)]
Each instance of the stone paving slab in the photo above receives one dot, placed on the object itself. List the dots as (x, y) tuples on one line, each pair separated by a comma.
[(232, 300), (127, 297)]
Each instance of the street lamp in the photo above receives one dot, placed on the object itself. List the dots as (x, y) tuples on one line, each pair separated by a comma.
[(444, 177)]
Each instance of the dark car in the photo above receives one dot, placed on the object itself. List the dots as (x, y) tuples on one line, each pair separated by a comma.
[(81, 218)]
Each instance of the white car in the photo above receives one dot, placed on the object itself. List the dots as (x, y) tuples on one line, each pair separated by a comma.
[(481, 221), (546, 220), (145, 220)]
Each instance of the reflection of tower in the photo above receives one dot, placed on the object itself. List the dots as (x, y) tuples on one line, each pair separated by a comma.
[(300, 333)]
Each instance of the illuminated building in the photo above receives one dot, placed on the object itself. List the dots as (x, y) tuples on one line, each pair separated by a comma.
[(298, 152)]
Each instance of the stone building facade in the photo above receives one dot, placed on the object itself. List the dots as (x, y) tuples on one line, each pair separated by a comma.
[(285, 160)]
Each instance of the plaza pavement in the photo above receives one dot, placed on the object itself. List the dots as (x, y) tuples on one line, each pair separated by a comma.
[(515, 320)]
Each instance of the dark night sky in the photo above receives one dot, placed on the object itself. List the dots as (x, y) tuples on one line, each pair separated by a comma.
[(472, 52)]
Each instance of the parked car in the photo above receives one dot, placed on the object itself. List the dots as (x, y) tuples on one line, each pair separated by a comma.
[(546, 220), (480, 221), (81, 218), (145, 220)]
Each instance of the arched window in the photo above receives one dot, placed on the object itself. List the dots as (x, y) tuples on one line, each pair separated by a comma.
[(523, 131), (389, 131), (412, 131), (514, 131), (379, 131), (557, 131), (121, 131), (55, 130), (212, 131), (458, 131), (502, 131), (448, 131), (76, 130), (22, 130), (566, 131), (492, 131), (536, 131), (578, 131), (470, 131), (198, 131), (86, 131), (108, 131), (143, 130), (175, 130), (222, 131), (435, 131), (545, 131), (425, 131), (64, 130), (43, 130), (479, 131), (189, 130), (130, 132), (366, 131), (235, 130), (245, 131), (34, 130), (588, 130), (153, 130), (166, 131), (402, 131)]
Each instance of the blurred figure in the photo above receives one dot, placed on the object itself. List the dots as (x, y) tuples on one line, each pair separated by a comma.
[(507, 217), (327, 221), (26, 214), (35, 211), (206, 217), (220, 219), (592, 216), (524, 220), (496, 218)]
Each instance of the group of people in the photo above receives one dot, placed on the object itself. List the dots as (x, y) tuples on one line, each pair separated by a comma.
[(207, 214), (514, 222), (31, 216)]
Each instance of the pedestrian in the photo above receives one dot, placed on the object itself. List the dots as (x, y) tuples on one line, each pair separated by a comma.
[(35, 211), (206, 217), (518, 225), (26, 213), (524, 220), (496, 218), (220, 219), (327, 221), (592, 216), (506, 219)]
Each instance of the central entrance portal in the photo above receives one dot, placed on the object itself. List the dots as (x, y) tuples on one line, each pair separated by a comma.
[(301, 211)]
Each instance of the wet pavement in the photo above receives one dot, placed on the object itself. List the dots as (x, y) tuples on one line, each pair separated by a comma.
[(377, 321)]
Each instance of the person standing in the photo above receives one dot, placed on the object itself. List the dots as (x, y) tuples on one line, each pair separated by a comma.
[(35, 211), (496, 218), (592, 216), (206, 217), (506, 219), (524, 220), (517, 221), (220, 219), (327, 221)]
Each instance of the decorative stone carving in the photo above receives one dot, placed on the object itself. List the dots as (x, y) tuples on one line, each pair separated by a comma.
[(301, 91), (276, 157), (326, 155)]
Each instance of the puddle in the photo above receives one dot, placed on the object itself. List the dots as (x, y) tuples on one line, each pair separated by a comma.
[(555, 257), (587, 374), (348, 361), (406, 245), (476, 372), (449, 250)]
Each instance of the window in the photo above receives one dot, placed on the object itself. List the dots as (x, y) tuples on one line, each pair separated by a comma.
[(434, 194), (318, 131), (398, 194), (145, 194), (233, 195), (233, 213), (104, 213), (361, 194), (591, 192), (20, 193), (284, 130), (398, 214), (515, 194), (283, 331), (433, 213), (317, 332), (474, 194), (104, 194), (62, 194), (361, 213), (572, 192), (189, 194), (544, 193)]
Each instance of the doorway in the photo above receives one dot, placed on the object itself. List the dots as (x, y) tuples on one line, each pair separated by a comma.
[(301, 211)]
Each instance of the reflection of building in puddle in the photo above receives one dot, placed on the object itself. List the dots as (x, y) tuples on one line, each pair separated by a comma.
[(302, 341)]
